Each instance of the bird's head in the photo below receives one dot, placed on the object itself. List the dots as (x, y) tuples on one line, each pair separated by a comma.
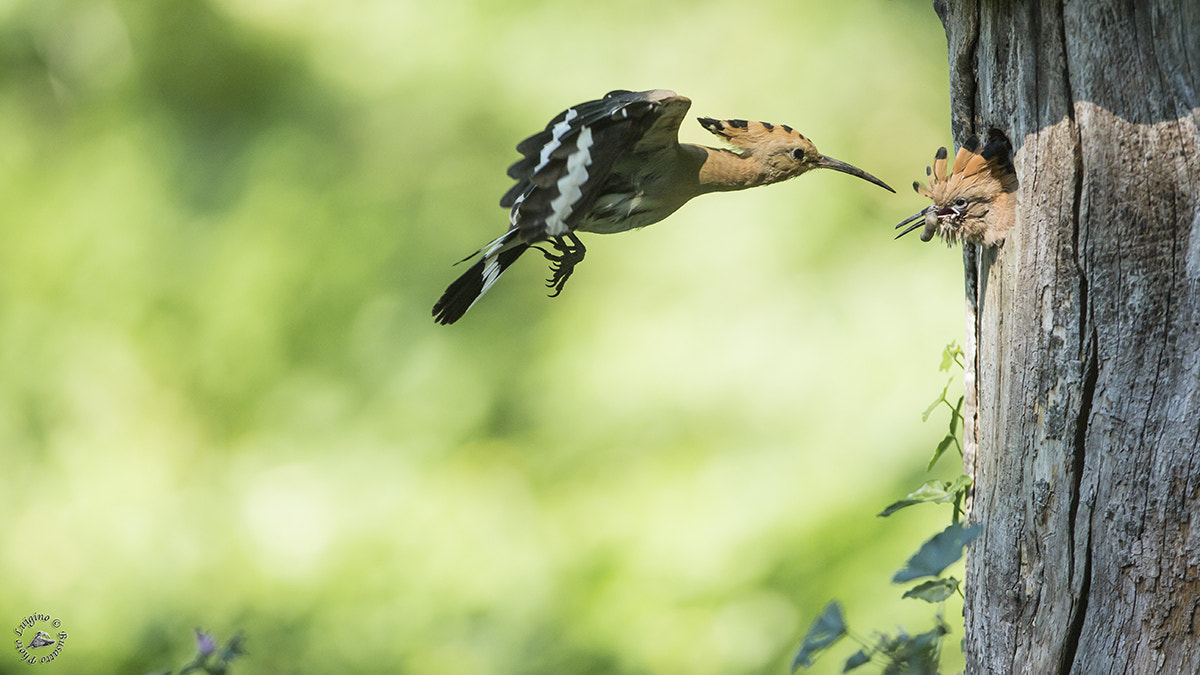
[(975, 202), (782, 151)]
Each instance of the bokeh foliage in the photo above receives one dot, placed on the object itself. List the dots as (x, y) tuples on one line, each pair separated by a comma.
[(223, 402)]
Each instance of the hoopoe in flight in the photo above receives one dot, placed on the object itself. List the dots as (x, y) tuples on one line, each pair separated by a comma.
[(975, 202), (616, 164)]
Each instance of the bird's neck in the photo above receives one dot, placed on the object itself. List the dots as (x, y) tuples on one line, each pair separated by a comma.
[(725, 170)]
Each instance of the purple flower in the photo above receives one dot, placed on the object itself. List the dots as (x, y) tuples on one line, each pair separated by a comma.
[(205, 643)]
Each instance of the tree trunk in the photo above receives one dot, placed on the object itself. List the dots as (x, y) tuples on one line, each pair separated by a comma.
[(1085, 328)]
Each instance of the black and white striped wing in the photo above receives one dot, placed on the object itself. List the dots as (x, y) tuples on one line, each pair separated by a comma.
[(566, 165)]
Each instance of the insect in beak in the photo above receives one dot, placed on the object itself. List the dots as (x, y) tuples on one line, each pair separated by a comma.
[(928, 217)]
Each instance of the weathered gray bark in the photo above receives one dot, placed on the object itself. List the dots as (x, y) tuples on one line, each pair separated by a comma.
[(1085, 442)]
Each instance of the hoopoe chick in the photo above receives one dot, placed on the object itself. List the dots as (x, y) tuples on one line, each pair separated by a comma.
[(975, 202), (616, 164)]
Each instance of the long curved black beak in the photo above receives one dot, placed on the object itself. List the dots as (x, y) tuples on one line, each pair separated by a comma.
[(919, 216), (828, 162)]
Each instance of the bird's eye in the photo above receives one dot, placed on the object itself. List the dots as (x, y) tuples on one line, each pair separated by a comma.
[(960, 202), (798, 153)]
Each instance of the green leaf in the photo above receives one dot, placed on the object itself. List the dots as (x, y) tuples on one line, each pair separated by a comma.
[(914, 655), (959, 487), (944, 549), (937, 454), (924, 647), (947, 359), (950, 356), (858, 658), (829, 627), (938, 401), (934, 590), (930, 492), (956, 417)]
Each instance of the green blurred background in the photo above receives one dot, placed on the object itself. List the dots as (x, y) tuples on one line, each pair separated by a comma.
[(223, 401)]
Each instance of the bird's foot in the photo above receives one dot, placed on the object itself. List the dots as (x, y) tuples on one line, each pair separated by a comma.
[(570, 253)]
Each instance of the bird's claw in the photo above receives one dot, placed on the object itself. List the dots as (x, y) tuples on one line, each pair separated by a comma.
[(562, 265)]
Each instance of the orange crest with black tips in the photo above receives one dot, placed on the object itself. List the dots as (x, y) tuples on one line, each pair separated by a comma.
[(975, 201)]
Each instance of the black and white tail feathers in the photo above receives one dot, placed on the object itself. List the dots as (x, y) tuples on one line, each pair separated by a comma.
[(468, 288)]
